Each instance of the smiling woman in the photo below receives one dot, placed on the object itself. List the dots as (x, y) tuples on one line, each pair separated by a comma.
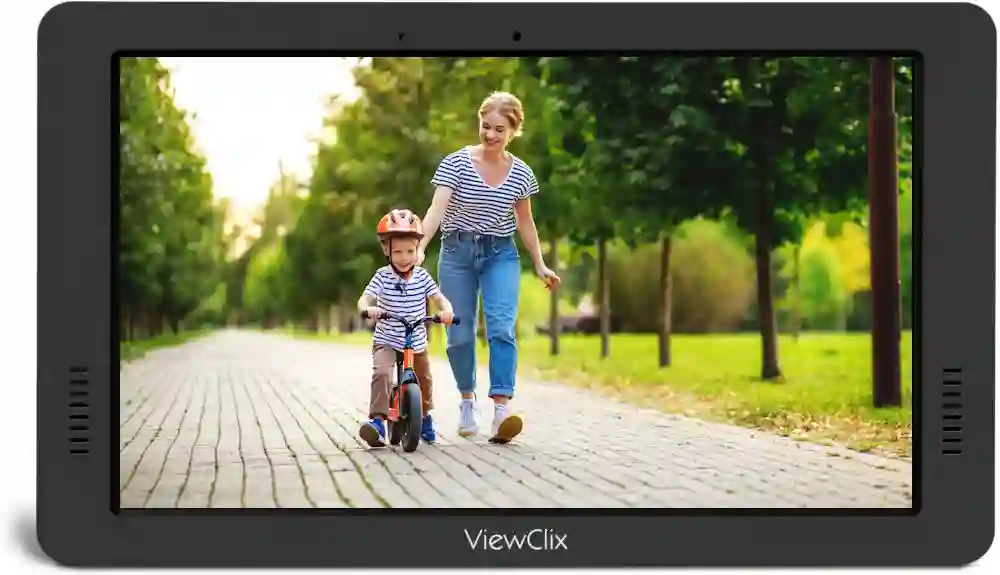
[(482, 196)]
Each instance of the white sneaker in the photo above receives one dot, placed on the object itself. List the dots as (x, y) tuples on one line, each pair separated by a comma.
[(505, 425), (467, 418)]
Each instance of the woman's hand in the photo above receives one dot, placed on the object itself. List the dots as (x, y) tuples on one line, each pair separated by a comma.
[(529, 234), (548, 276), (431, 221)]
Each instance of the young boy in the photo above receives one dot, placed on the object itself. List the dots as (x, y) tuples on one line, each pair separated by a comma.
[(400, 288)]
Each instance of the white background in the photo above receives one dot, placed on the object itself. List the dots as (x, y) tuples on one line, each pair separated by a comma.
[(18, 37)]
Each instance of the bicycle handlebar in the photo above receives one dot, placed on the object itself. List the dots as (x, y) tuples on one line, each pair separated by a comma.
[(407, 323)]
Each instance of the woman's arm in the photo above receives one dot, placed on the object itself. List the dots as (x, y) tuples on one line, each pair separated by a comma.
[(529, 233), (435, 213)]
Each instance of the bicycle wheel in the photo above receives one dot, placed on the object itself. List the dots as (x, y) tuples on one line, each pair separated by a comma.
[(395, 427), (411, 422)]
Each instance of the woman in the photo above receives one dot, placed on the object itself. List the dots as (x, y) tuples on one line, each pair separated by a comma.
[(482, 195)]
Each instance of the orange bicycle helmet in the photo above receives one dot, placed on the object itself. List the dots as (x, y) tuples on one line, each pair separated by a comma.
[(397, 225)]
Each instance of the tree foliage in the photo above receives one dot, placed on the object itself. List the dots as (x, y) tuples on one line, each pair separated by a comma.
[(703, 175), (172, 242)]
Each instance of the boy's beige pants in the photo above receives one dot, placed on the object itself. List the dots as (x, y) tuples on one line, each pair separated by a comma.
[(383, 372)]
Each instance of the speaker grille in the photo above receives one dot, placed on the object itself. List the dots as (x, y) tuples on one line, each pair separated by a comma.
[(79, 410), (951, 414)]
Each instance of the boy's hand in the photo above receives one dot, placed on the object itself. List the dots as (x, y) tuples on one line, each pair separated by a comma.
[(447, 316), (373, 312)]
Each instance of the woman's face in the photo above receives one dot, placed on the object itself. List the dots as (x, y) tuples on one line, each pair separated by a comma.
[(494, 131)]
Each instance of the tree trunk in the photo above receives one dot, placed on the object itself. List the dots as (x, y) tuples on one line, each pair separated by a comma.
[(325, 320), (765, 300), (147, 324), (883, 210), (666, 297), (604, 296), (125, 325), (343, 313), (155, 324), (554, 302), (139, 323), (175, 325), (796, 299)]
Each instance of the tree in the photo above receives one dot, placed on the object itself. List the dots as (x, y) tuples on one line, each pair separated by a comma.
[(789, 142), (639, 143), (578, 172), (824, 297), (171, 230), (553, 162)]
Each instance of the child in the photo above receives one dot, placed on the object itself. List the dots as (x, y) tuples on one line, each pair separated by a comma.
[(401, 288)]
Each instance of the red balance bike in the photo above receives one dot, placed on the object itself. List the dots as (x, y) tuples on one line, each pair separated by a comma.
[(405, 400)]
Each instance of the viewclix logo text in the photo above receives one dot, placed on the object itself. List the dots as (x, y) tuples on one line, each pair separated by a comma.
[(533, 540)]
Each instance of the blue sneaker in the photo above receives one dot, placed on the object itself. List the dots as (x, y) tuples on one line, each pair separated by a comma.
[(373, 432), (427, 432)]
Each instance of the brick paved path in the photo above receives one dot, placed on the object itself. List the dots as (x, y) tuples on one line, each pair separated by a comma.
[(253, 420)]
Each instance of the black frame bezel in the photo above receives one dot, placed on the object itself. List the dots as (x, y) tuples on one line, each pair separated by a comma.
[(77, 47)]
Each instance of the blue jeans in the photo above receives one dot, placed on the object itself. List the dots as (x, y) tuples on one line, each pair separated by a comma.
[(470, 264)]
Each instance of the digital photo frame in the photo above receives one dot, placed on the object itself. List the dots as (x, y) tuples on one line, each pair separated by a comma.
[(79, 514)]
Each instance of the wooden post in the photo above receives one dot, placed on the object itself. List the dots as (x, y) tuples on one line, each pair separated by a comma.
[(883, 190)]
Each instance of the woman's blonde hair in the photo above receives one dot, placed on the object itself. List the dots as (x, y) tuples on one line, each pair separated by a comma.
[(508, 106)]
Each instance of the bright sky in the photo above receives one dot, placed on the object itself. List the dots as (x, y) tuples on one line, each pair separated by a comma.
[(252, 113)]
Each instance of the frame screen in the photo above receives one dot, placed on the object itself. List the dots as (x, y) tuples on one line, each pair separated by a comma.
[(683, 282)]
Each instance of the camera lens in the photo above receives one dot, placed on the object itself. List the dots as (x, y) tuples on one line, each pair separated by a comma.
[(517, 36)]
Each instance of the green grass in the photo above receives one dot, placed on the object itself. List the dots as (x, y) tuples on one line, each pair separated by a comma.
[(132, 350), (825, 394)]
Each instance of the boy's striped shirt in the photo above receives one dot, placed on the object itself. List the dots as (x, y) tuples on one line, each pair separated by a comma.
[(407, 298)]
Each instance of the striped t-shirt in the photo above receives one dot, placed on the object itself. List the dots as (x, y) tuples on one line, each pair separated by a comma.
[(476, 207), (407, 298)]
